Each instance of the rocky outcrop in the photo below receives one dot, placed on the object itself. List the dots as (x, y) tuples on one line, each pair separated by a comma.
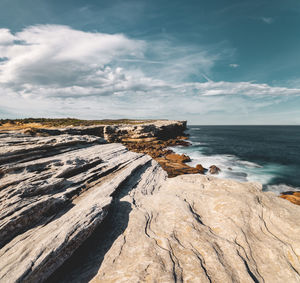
[(54, 192), (178, 158), (293, 197), (199, 229), (173, 164), (152, 138), (176, 166), (201, 168), (161, 129)]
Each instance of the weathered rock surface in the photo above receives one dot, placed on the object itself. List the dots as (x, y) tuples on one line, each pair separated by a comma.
[(161, 129), (152, 138), (200, 229), (54, 192), (76, 209)]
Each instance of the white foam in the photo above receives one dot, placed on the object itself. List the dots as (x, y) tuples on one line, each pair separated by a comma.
[(197, 143), (231, 166), (248, 164), (281, 188)]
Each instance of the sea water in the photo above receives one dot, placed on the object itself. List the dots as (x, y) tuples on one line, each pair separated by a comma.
[(266, 154)]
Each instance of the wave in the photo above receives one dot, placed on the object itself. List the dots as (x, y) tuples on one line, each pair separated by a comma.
[(248, 164), (197, 143), (280, 188), (231, 166)]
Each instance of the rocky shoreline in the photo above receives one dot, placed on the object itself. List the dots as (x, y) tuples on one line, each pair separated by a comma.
[(77, 205)]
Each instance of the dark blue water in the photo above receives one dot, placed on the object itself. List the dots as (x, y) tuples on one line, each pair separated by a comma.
[(267, 154)]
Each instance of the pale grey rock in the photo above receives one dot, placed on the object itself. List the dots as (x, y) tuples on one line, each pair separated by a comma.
[(16, 147), (116, 133), (203, 229), (159, 129), (54, 192)]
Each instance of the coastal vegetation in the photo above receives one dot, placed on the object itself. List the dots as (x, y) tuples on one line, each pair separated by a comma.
[(65, 122)]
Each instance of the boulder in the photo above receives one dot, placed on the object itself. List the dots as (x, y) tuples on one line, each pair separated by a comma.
[(213, 169), (201, 168)]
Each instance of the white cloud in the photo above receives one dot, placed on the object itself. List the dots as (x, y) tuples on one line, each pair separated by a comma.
[(242, 88), (6, 37), (59, 55), (234, 65), (267, 20), (53, 70)]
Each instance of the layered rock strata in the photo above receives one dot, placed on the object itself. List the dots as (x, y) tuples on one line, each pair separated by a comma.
[(54, 192), (152, 138), (160, 129)]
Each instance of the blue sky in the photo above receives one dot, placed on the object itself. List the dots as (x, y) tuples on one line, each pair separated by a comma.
[(210, 62)]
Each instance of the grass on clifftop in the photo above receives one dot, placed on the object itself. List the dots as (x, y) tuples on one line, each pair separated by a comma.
[(62, 122)]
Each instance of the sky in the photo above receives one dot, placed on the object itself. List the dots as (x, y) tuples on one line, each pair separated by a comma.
[(217, 62)]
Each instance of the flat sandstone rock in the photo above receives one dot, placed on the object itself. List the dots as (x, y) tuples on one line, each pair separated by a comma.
[(203, 229)]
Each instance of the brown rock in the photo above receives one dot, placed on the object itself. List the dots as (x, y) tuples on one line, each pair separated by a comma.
[(293, 197), (173, 164), (214, 169), (200, 168), (178, 158)]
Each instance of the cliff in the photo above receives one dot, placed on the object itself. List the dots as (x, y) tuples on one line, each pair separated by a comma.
[(160, 129), (76, 208)]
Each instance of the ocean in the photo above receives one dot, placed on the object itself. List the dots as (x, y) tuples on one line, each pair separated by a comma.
[(266, 154)]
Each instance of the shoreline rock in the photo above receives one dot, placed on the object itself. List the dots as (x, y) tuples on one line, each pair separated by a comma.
[(57, 190), (213, 169), (293, 197)]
